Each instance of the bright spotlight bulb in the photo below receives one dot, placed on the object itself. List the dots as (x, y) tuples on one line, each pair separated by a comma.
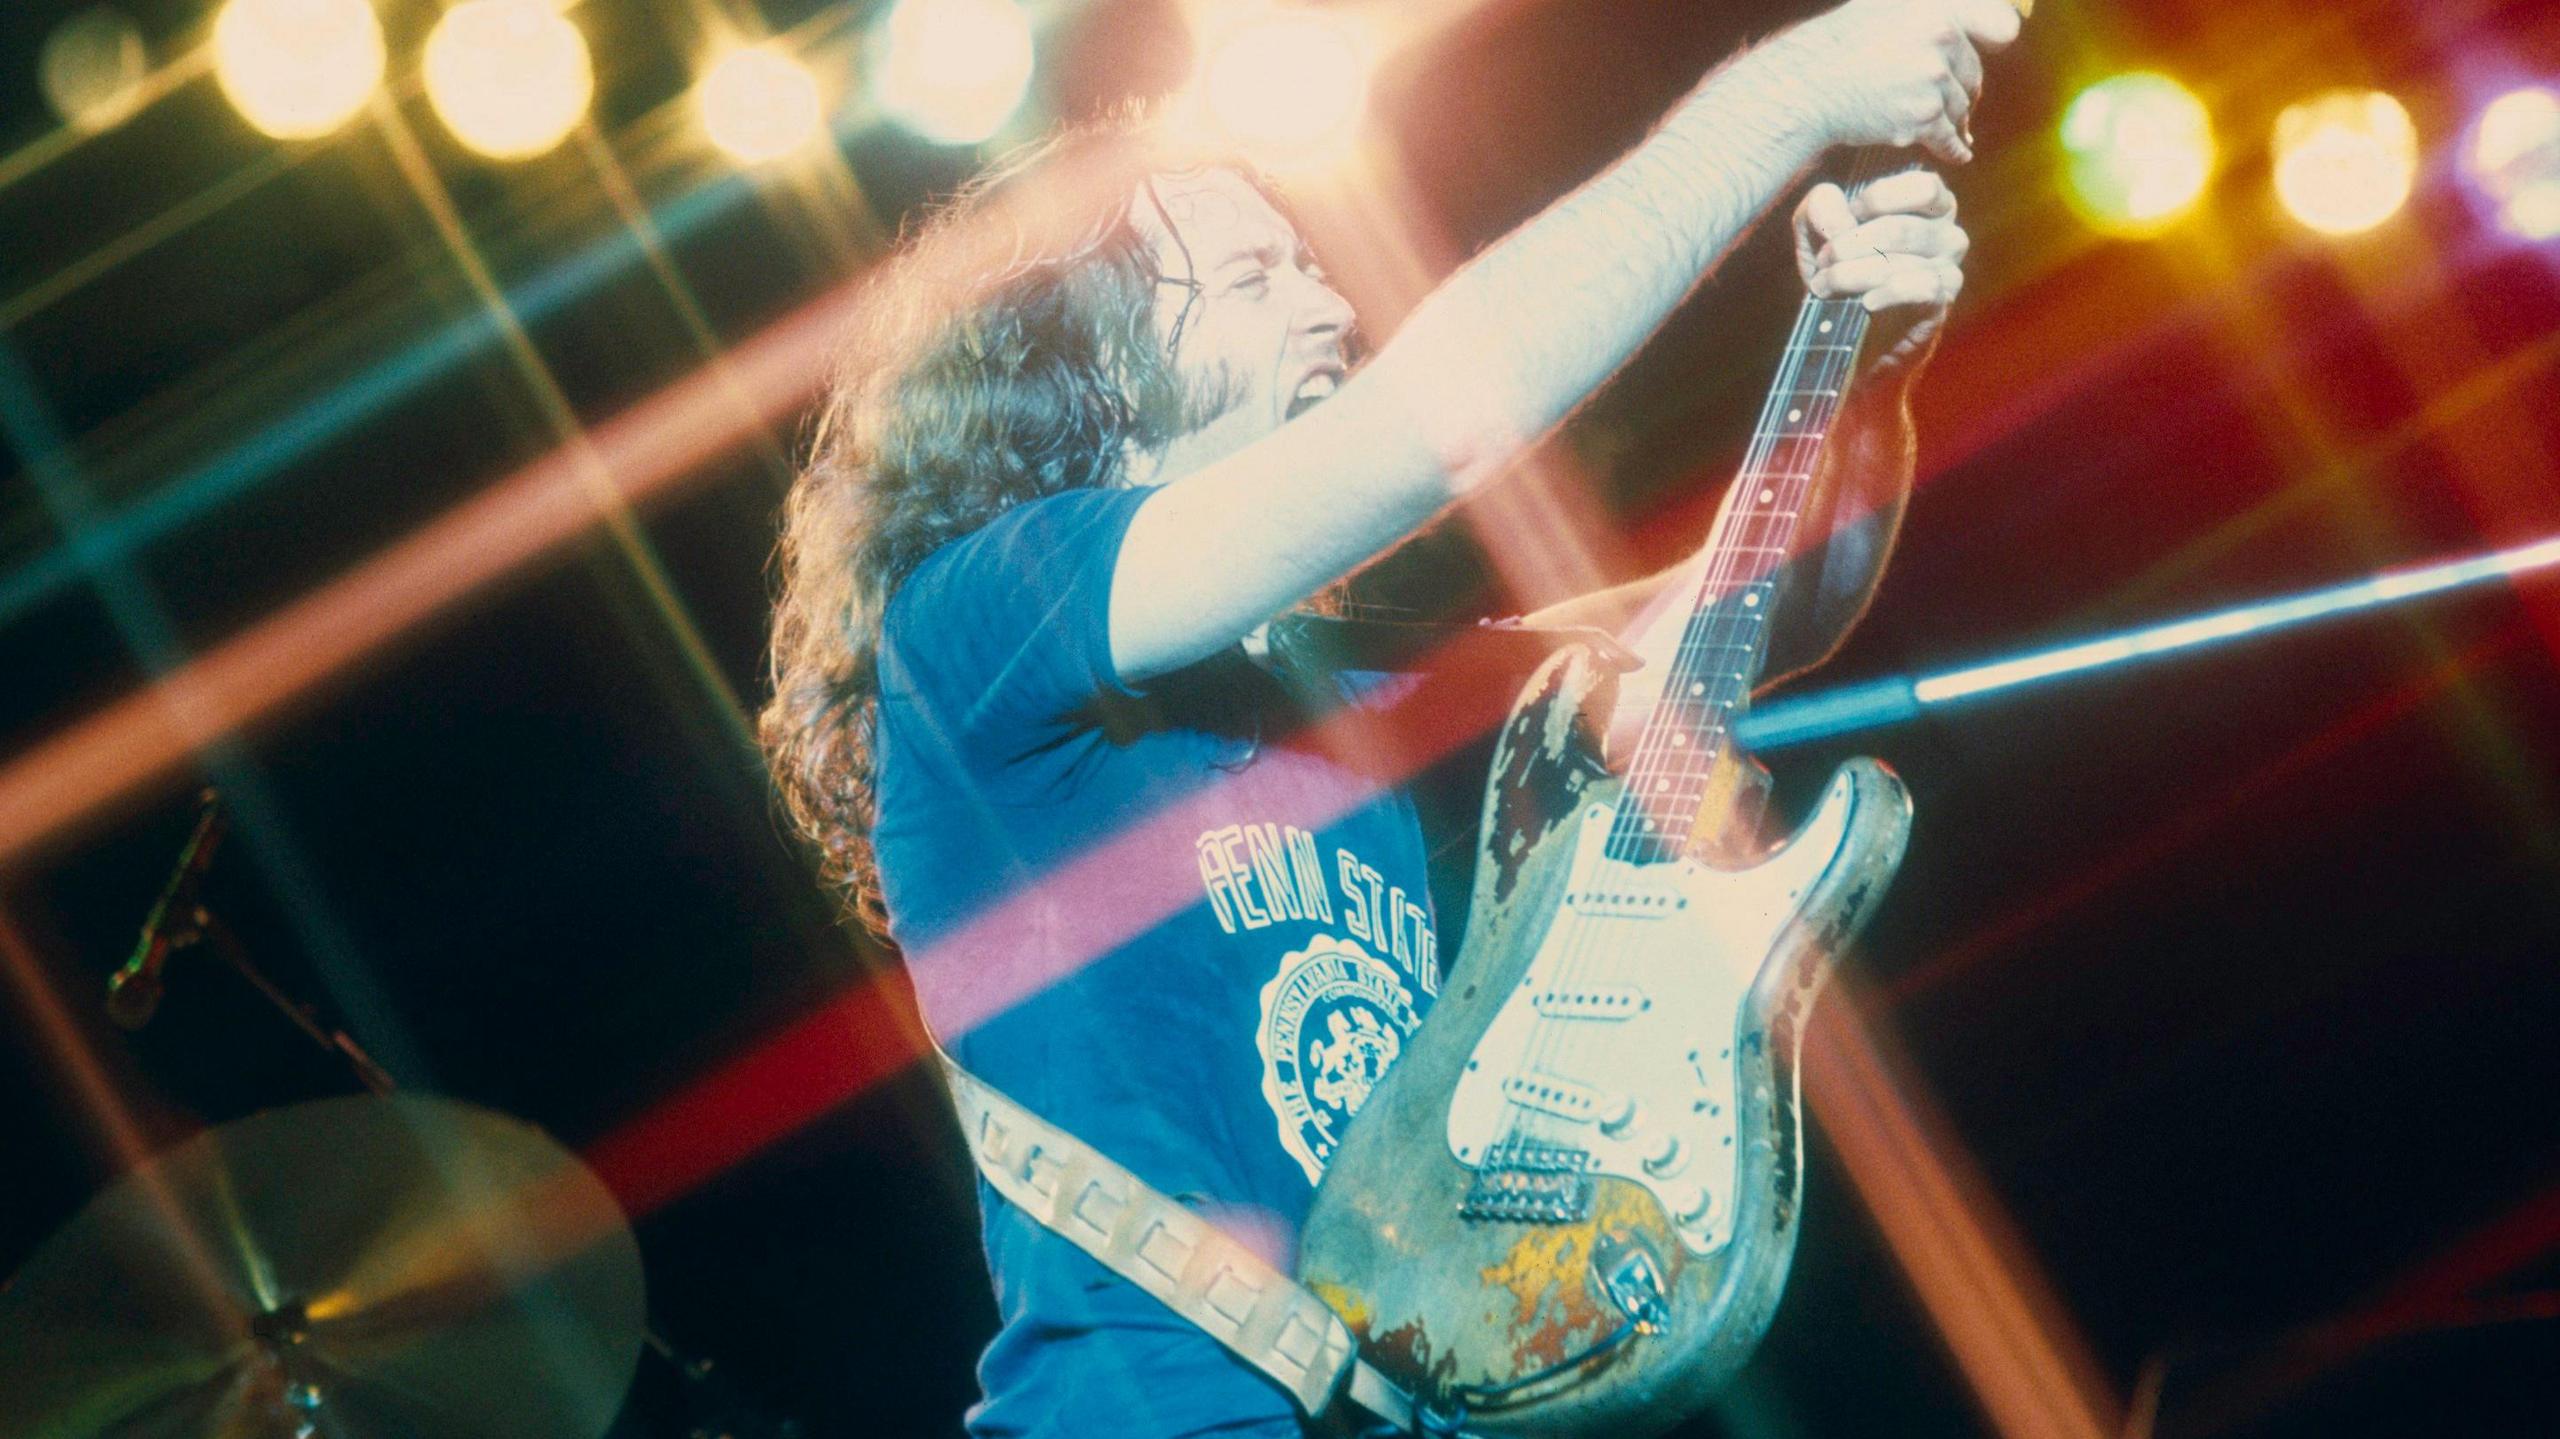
[(2140, 149), (2345, 160), (509, 78), (953, 71), (297, 69), (759, 104), (92, 68), (2514, 158), (1290, 80)]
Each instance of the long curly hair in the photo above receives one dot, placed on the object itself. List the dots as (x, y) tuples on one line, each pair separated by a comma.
[(1005, 352)]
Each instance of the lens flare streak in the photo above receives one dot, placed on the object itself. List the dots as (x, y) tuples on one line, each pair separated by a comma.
[(397, 377), (1889, 701), (648, 450)]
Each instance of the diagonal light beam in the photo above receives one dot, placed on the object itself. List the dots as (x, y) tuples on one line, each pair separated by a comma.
[(645, 452), (1849, 709)]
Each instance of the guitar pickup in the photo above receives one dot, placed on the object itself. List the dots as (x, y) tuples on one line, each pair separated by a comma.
[(1544, 1092), (1628, 902), (1592, 1001)]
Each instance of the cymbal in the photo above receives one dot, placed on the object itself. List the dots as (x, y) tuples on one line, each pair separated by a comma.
[(352, 1267)]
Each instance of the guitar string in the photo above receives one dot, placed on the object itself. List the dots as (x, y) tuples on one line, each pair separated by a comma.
[(1665, 783), (1814, 316), (1552, 1040), (1737, 632), (1743, 633), (1735, 639)]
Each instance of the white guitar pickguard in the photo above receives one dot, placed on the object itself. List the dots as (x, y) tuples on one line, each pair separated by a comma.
[(1619, 1040)]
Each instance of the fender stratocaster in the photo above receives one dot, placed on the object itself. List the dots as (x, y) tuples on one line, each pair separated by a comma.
[(1570, 1207)]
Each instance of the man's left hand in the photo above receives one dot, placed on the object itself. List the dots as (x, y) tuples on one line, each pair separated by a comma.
[(1896, 248)]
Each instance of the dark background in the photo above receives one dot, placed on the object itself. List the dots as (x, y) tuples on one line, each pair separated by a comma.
[(2236, 977)]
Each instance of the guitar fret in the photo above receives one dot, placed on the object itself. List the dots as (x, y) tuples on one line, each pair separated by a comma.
[(1724, 642), (1684, 773), (1653, 782)]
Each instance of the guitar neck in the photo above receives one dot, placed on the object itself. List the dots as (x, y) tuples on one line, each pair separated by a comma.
[(1725, 644)]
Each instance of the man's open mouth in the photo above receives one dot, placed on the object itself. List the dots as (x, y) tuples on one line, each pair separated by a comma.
[(1312, 390)]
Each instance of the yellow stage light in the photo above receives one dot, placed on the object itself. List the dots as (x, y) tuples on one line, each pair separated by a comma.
[(1286, 81), (759, 104), (509, 78), (297, 68), (2140, 148), (2345, 160), (2514, 157), (953, 71), (92, 68)]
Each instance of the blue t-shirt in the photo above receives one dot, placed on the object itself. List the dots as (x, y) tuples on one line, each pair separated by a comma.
[(1187, 922)]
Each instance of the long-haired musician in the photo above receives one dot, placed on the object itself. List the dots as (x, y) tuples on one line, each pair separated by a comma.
[(1105, 416)]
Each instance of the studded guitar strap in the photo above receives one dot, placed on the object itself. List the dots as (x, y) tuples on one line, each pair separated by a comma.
[(1187, 1263)]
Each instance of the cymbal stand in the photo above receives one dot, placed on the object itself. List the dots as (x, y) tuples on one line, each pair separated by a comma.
[(712, 1407), (203, 921)]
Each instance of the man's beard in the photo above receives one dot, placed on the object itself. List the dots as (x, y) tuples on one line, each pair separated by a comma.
[(1209, 398)]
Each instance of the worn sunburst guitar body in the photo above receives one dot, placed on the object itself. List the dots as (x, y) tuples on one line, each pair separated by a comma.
[(1571, 1206)]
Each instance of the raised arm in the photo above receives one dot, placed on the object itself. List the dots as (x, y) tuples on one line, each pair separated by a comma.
[(1508, 346)]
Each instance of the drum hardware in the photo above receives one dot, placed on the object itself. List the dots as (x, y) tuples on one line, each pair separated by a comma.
[(360, 1266), (378, 1264)]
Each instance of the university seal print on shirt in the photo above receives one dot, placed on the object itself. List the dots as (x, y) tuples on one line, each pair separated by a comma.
[(1337, 1010)]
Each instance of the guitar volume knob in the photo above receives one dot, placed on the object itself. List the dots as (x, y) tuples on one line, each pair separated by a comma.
[(1620, 1117), (1665, 1156)]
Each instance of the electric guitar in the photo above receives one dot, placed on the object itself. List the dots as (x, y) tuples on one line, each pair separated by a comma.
[(1570, 1207)]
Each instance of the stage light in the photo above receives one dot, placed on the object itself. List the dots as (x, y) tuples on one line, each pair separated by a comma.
[(92, 68), (759, 104), (2514, 157), (509, 78), (2140, 148), (1287, 81), (2345, 160), (297, 69), (953, 71)]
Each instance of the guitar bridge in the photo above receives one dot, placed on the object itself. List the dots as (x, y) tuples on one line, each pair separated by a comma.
[(1531, 1183)]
